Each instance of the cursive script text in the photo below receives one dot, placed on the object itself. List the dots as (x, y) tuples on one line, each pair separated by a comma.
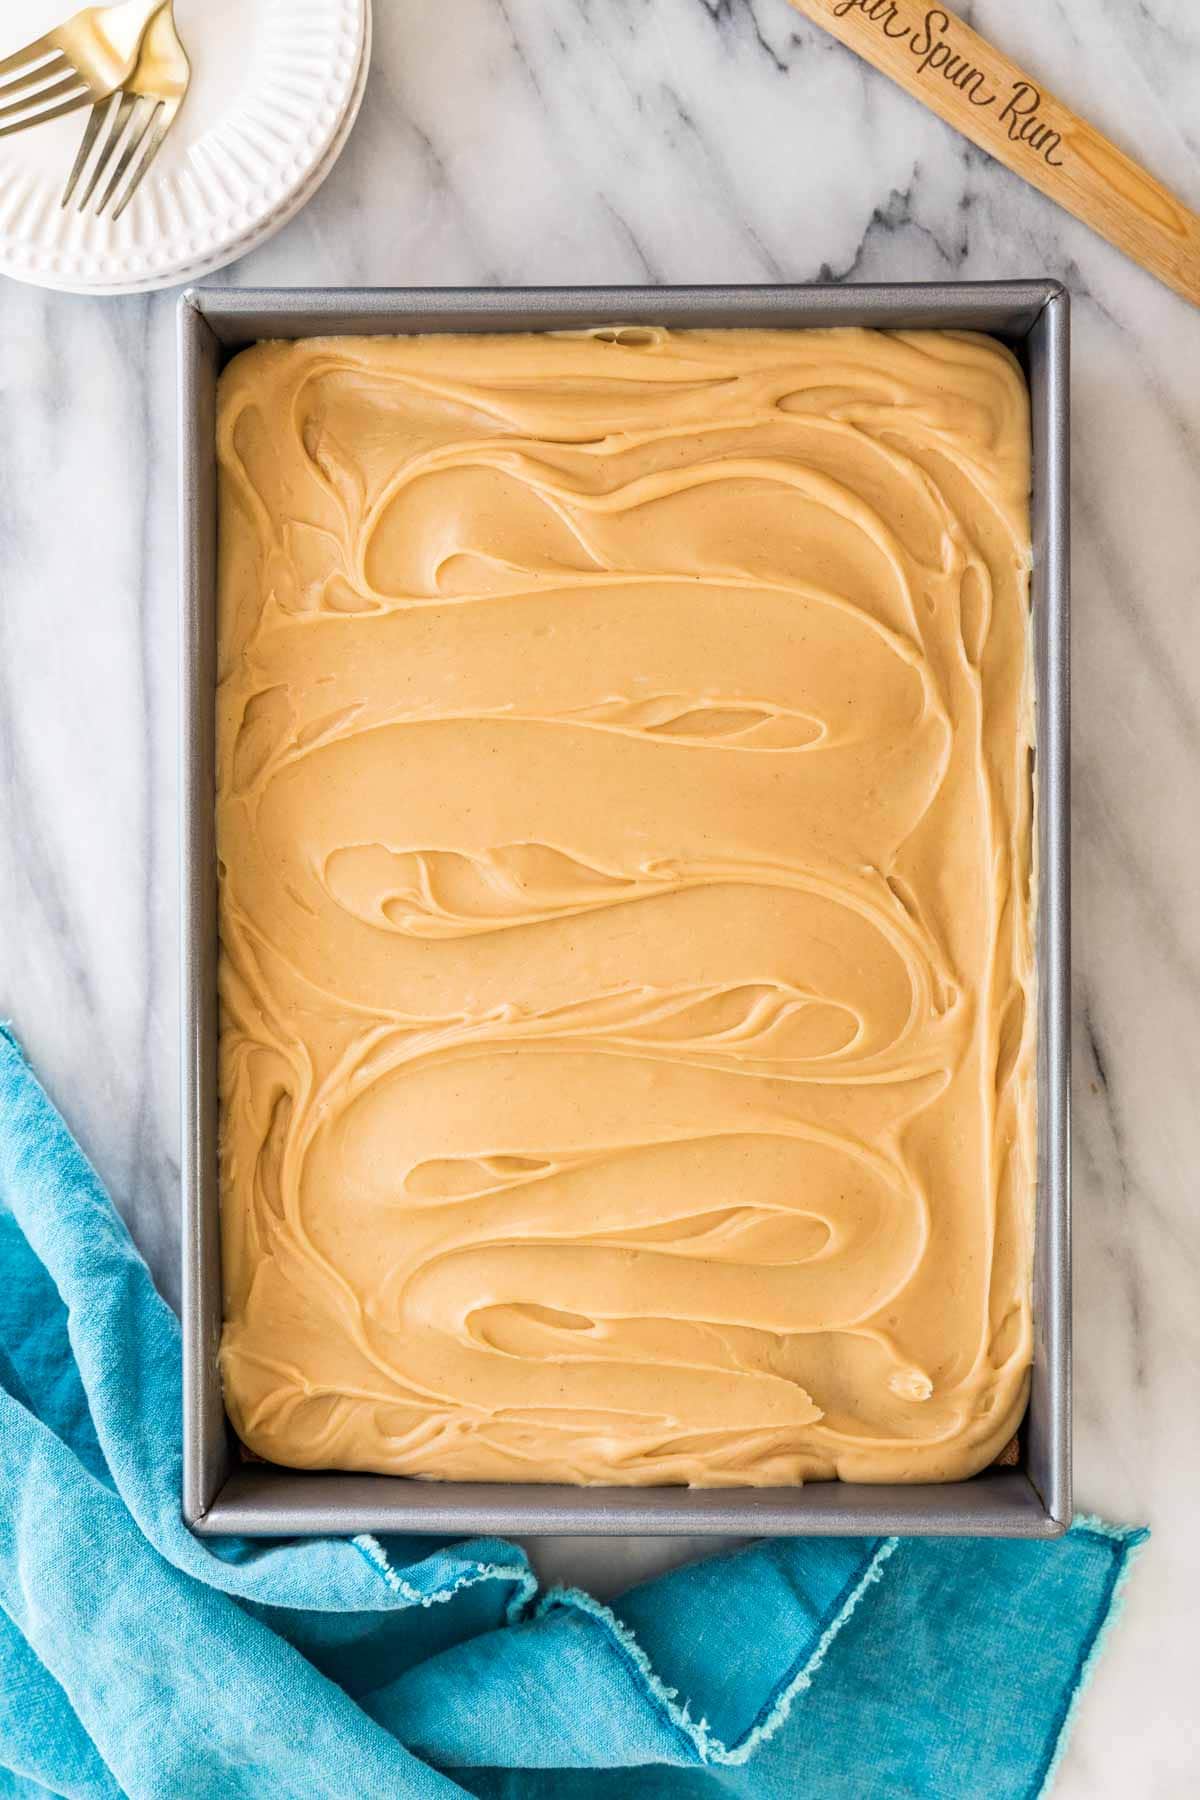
[(934, 53)]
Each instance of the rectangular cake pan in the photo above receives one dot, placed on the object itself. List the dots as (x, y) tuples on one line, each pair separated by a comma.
[(222, 1493)]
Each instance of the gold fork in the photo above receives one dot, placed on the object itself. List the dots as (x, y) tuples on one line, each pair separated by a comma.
[(84, 60), (135, 123)]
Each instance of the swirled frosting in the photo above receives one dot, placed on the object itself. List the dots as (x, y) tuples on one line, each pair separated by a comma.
[(624, 821)]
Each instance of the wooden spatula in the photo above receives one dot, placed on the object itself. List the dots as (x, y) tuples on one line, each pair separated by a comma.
[(942, 62)]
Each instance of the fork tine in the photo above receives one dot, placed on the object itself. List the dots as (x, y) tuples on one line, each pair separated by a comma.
[(134, 136), (95, 119), (69, 84), (165, 114), (58, 65), (20, 59), (50, 112), (118, 116)]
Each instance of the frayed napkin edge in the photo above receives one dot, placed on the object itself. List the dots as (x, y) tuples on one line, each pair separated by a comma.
[(696, 1732), (520, 1574), (1129, 1542)]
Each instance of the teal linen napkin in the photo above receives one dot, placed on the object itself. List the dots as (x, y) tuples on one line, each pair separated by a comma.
[(136, 1659)]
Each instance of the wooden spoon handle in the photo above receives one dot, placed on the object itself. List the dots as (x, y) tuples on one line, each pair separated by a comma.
[(959, 76)]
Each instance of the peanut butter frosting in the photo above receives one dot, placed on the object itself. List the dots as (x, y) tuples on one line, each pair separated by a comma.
[(624, 822)]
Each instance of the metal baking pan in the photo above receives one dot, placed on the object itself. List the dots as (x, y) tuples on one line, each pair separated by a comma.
[(222, 1493)]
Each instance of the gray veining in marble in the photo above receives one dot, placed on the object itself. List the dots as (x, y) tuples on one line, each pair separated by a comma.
[(507, 141)]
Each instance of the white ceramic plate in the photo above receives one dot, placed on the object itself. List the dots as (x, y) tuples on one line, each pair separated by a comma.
[(275, 88)]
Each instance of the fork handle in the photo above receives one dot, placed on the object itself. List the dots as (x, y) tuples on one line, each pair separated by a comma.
[(114, 38), (959, 76)]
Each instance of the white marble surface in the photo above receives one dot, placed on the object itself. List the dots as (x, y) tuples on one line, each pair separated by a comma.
[(507, 141)]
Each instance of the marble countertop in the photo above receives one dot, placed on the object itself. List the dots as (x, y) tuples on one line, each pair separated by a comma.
[(508, 142)]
